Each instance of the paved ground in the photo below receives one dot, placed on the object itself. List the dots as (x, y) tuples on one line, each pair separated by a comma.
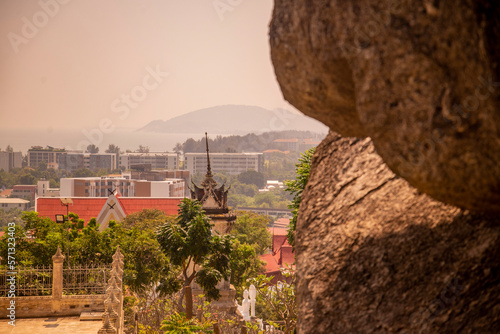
[(63, 325)]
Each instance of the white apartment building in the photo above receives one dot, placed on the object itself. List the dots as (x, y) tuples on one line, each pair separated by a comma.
[(70, 160), (14, 203), (157, 160), (9, 160), (103, 186), (50, 155), (231, 163)]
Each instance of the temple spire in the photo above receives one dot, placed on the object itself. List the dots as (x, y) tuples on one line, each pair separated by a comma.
[(209, 181), (209, 169)]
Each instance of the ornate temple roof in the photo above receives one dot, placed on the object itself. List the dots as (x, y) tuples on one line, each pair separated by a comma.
[(213, 200)]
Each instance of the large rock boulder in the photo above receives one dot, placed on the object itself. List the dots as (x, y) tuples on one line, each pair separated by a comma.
[(421, 78), (377, 256)]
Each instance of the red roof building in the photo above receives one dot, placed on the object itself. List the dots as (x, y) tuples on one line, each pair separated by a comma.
[(105, 209), (281, 256)]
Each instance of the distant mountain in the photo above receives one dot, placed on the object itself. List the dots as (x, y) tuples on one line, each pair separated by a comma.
[(235, 119)]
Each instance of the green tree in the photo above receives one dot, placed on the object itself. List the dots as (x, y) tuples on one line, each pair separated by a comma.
[(296, 187), (267, 199), (145, 262), (245, 264), (83, 172), (251, 228), (92, 148), (42, 166), (177, 148), (10, 216), (146, 219), (238, 201), (190, 244), (177, 323), (112, 148), (278, 300), (252, 177), (143, 149), (27, 179)]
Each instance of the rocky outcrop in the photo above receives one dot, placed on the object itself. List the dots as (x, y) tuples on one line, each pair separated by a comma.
[(421, 78), (374, 255)]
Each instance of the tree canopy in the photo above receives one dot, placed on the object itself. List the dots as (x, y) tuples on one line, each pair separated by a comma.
[(251, 228), (252, 177), (189, 243), (296, 187)]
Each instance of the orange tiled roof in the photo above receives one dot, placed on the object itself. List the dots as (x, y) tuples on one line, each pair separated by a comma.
[(271, 263), (90, 207), (282, 255), (6, 193)]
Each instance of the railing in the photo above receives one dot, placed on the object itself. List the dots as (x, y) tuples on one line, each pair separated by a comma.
[(38, 280), (30, 281), (86, 280)]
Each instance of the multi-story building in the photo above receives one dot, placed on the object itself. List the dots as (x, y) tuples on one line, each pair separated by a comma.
[(72, 161), (50, 155), (14, 203), (102, 161), (44, 189), (157, 160), (296, 144), (104, 186), (24, 191), (9, 160), (289, 144), (231, 163)]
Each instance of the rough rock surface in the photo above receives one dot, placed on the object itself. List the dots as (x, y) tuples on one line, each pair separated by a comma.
[(421, 78), (377, 256)]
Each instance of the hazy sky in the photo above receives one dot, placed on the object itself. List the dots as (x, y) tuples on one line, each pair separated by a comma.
[(76, 62)]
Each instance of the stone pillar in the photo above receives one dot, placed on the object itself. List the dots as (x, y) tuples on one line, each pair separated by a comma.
[(57, 274), (107, 327), (223, 224), (115, 289)]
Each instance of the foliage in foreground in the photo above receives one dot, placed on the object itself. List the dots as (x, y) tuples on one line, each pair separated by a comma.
[(296, 187), (203, 257), (37, 242), (277, 301)]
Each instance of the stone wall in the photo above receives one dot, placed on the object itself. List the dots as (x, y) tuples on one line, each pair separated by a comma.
[(420, 78), (47, 306), (374, 255)]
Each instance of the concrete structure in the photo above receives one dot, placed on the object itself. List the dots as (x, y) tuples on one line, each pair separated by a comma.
[(50, 155), (102, 161), (156, 160), (103, 186), (296, 144), (72, 161), (44, 190), (24, 191), (14, 203), (232, 163), (9, 160), (161, 175)]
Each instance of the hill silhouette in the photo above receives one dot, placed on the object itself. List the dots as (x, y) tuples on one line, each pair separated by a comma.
[(237, 120)]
